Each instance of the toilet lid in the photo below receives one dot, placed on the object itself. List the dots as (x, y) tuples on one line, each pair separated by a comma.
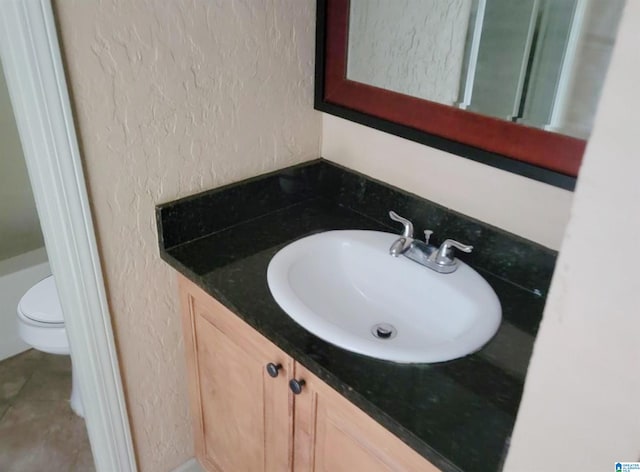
[(41, 303)]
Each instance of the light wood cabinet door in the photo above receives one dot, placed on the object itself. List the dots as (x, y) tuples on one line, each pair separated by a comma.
[(333, 435), (243, 417)]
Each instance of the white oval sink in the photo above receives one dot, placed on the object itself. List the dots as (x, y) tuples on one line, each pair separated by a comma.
[(341, 285)]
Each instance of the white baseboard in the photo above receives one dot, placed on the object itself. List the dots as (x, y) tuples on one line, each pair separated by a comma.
[(191, 465)]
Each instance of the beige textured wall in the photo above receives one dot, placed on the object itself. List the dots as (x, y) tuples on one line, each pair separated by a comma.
[(580, 409), (522, 206), (415, 47), (173, 97), (19, 224)]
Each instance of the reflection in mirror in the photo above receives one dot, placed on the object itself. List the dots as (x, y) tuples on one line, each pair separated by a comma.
[(539, 63)]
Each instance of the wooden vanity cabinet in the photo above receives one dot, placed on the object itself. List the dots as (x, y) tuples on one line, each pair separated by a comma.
[(242, 417), (245, 420), (333, 435)]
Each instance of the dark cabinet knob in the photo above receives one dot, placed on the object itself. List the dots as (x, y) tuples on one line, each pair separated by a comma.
[(296, 386), (272, 369)]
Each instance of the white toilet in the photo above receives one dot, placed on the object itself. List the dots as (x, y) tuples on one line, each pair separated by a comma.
[(41, 325)]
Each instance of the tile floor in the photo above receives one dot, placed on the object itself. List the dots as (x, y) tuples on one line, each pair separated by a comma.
[(38, 430)]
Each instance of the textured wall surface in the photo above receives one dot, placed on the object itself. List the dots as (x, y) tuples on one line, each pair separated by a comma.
[(415, 47), (173, 97), (19, 224), (580, 408)]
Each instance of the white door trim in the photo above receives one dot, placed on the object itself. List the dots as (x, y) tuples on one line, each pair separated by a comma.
[(35, 78)]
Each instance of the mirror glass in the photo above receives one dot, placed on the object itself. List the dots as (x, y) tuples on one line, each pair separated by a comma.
[(539, 63)]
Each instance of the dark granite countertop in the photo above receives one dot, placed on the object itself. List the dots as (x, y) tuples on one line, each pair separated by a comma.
[(458, 414)]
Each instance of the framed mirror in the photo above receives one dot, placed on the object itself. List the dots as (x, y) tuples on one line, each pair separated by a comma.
[(512, 84)]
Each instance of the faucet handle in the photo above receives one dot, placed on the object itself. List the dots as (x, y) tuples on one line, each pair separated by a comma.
[(408, 226), (458, 245), (444, 256)]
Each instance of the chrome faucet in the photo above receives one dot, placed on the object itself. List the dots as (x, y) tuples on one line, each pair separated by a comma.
[(440, 259)]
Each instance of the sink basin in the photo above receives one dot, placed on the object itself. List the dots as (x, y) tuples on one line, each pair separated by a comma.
[(344, 287)]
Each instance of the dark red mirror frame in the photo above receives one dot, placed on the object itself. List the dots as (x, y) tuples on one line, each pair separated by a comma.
[(544, 156)]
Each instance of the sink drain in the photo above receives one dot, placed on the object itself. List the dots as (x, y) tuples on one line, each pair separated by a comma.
[(384, 331)]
